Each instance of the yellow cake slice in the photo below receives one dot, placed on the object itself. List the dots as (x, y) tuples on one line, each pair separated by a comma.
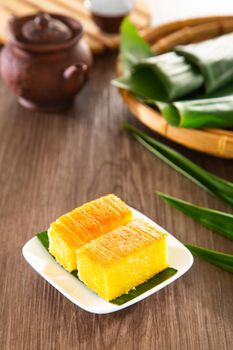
[(83, 224), (120, 260)]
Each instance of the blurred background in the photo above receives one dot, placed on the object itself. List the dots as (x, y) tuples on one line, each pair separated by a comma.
[(168, 10)]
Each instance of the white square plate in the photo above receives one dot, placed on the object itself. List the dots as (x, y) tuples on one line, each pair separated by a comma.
[(37, 256)]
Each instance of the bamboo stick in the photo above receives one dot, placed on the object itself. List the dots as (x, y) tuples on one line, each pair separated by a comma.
[(3, 23), (20, 8), (187, 35), (97, 40), (74, 5)]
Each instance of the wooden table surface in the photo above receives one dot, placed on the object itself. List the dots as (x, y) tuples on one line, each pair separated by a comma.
[(50, 164)]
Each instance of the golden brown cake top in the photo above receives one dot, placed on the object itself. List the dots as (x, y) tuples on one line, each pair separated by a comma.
[(121, 242), (91, 220)]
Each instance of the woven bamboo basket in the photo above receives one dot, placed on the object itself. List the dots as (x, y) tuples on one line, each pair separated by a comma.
[(217, 142)]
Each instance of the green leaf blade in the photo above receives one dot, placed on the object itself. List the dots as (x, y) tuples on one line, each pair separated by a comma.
[(222, 260), (132, 46), (217, 221), (211, 183)]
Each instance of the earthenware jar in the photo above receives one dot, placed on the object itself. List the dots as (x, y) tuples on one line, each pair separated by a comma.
[(109, 14), (44, 62)]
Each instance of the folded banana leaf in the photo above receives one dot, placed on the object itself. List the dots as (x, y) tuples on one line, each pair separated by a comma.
[(211, 112), (215, 220), (178, 77), (199, 113), (141, 82), (170, 75), (214, 58), (163, 78)]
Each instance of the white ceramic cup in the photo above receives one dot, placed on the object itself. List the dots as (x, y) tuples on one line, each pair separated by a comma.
[(109, 7)]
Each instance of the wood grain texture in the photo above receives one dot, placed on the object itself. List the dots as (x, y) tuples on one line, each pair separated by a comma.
[(51, 163)]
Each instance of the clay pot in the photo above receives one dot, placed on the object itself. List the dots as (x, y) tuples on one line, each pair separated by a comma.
[(45, 63)]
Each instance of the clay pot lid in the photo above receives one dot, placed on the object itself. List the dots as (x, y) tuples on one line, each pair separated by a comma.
[(44, 29), (44, 32)]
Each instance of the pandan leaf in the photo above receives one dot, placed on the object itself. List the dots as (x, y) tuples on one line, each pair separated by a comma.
[(211, 183), (144, 287), (222, 260), (132, 46), (214, 58), (215, 220)]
